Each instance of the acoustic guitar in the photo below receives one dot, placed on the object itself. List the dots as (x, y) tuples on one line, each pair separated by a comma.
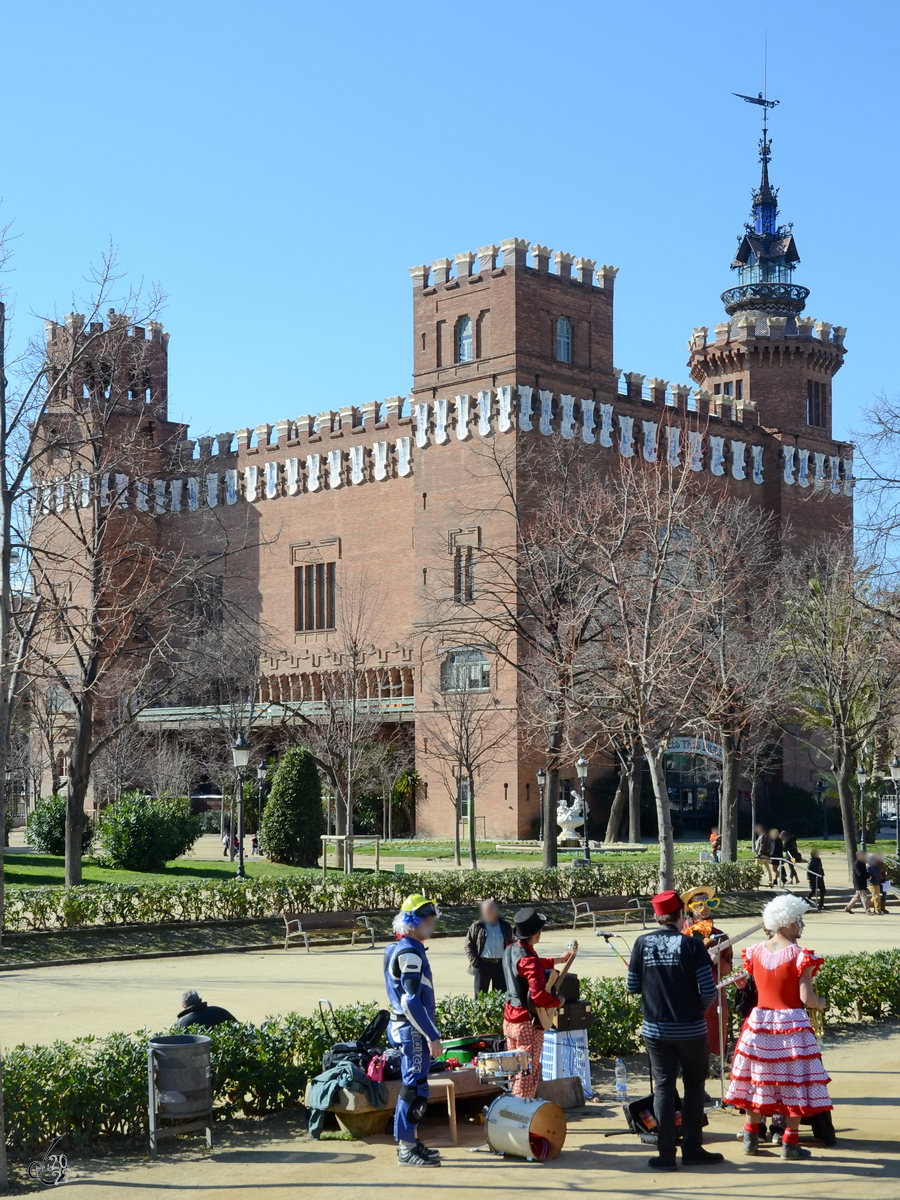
[(544, 1016)]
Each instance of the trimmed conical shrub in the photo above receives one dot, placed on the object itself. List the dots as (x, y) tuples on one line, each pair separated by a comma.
[(293, 821)]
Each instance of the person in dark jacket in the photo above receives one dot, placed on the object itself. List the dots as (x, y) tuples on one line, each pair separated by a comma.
[(195, 1011), (792, 854), (875, 870), (815, 877), (777, 856), (860, 883), (762, 849), (674, 977), (486, 940)]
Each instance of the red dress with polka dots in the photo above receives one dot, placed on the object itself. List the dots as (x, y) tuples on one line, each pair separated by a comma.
[(777, 1064)]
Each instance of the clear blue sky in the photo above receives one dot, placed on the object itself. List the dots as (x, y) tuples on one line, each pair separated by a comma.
[(277, 166)]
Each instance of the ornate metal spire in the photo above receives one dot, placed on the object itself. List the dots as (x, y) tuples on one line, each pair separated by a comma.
[(767, 252)]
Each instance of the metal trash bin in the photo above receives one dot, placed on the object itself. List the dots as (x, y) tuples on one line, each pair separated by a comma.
[(179, 1086)]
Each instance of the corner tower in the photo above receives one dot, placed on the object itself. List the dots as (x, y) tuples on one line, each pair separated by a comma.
[(767, 354)]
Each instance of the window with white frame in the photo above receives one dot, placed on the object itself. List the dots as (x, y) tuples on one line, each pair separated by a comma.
[(465, 671), (465, 350), (563, 340)]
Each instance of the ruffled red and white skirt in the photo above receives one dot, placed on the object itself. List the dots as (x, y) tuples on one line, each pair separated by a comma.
[(777, 1065)]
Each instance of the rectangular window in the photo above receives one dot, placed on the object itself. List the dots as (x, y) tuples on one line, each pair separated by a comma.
[(463, 794), (315, 583), (207, 603), (816, 399), (739, 390), (729, 389), (464, 575)]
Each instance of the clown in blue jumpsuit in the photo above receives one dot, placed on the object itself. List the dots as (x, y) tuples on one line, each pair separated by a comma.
[(410, 992)]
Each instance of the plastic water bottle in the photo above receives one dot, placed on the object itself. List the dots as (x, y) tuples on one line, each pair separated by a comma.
[(621, 1080)]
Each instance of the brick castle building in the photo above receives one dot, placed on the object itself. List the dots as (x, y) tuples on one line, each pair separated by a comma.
[(512, 342)]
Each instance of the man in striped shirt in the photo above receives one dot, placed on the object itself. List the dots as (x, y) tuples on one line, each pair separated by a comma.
[(673, 975)]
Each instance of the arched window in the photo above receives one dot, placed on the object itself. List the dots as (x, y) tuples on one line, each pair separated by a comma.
[(563, 340), (464, 344), (465, 671)]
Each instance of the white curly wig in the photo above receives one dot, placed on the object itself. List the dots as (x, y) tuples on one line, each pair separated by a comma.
[(782, 911)]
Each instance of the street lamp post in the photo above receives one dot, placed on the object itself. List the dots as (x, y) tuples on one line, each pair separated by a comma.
[(861, 780), (260, 781), (894, 767), (542, 783), (581, 768), (240, 756), (820, 796)]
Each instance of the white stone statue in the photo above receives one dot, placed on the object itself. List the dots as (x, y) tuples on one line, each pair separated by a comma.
[(570, 817)]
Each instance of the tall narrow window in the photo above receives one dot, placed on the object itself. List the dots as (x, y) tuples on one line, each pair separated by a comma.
[(815, 403), (563, 340), (315, 599), (465, 351), (464, 575)]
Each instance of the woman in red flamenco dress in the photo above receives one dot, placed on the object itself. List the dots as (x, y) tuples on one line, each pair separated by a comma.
[(777, 1066)]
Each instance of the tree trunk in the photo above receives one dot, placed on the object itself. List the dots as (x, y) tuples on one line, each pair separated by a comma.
[(457, 818), (551, 804), (728, 828), (656, 763), (848, 811), (473, 856), (340, 827), (634, 796), (617, 812), (79, 779)]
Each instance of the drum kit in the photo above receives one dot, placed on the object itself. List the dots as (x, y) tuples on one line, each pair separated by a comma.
[(519, 1125)]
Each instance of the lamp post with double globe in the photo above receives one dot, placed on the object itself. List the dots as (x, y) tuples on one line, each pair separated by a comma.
[(542, 783), (240, 756), (861, 780), (894, 767), (581, 768)]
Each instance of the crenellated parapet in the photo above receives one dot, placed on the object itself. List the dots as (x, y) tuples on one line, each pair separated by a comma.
[(655, 421), (469, 267)]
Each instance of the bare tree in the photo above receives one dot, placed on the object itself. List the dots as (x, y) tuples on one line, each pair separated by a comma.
[(737, 569), (840, 640), (537, 599), (115, 582), (649, 665), (465, 729), (345, 733)]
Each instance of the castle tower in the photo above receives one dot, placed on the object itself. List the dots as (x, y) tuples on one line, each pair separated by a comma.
[(767, 353), (506, 321), (117, 363)]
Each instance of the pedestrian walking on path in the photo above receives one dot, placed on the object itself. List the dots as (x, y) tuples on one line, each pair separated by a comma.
[(815, 877), (860, 883)]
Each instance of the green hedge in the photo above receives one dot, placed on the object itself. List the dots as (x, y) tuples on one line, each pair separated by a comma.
[(29, 908), (95, 1088)]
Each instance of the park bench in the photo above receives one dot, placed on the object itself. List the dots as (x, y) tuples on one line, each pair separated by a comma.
[(587, 909), (301, 925)]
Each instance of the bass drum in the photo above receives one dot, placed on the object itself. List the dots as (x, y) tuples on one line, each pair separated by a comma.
[(532, 1129)]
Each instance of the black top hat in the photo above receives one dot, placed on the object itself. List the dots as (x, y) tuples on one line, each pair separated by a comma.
[(528, 922)]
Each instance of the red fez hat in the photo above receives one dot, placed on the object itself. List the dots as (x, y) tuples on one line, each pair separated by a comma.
[(666, 902)]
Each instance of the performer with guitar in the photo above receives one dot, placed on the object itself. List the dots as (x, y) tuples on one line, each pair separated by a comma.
[(529, 995)]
